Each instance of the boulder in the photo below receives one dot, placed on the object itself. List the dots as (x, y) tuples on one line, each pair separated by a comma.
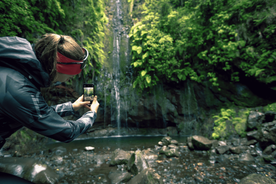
[(255, 119), (120, 157), (238, 149), (119, 177), (150, 157), (222, 149), (246, 157), (147, 176), (268, 150), (166, 140), (202, 143), (28, 169), (172, 153), (257, 179), (137, 163)]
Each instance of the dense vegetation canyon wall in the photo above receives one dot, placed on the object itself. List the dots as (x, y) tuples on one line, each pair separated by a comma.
[(198, 66)]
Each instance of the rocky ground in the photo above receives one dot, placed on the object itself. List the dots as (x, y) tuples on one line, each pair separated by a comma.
[(168, 161)]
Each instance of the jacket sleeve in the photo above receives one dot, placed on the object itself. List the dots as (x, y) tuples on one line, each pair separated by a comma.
[(65, 109), (25, 104)]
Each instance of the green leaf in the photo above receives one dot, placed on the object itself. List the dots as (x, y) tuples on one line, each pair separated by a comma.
[(139, 50), (137, 63), (148, 78), (145, 55), (143, 73)]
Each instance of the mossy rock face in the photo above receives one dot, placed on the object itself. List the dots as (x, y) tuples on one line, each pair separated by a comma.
[(257, 179)]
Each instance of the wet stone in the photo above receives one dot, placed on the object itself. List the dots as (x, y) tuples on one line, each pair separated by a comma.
[(222, 149), (166, 140), (246, 157), (175, 142), (89, 148)]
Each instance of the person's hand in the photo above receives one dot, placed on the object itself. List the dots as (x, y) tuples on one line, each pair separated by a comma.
[(95, 105), (80, 103)]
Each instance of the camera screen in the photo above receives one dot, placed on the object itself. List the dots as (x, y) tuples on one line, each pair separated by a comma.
[(88, 93)]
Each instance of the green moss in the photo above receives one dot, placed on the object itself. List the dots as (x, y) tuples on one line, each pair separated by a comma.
[(270, 107)]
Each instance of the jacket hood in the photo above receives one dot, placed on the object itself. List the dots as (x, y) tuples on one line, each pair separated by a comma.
[(17, 53)]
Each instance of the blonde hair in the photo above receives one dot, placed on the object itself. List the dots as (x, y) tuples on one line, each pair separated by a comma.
[(47, 47)]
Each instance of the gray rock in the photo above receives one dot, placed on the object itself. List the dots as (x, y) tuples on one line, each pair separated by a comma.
[(251, 142), (163, 150), (150, 157), (172, 153), (119, 176), (166, 140), (119, 157), (160, 143), (253, 135), (59, 151), (147, 176), (222, 149), (269, 149), (238, 149), (171, 146), (58, 160), (222, 143), (202, 143), (255, 119), (257, 179), (28, 169), (137, 163), (175, 142), (246, 157), (190, 144)]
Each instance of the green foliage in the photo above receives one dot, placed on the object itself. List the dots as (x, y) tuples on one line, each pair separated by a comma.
[(227, 119), (176, 40), (83, 20)]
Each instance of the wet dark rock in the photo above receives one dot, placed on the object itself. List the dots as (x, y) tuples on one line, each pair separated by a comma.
[(172, 146), (222, 143), (257, 179), (189, 143), (29, 169), (59, 151), (118, 177), (150, 157), (119, 157), (58, 160), (163, 150), (166, 140), (202, 143), (172, 153), (253, 135), (175, 142), (269, 116), (251, 142), (255, 119), (147, 176), (269, 149), (222, 149), (137, 163), (238, 149), (246, 157)]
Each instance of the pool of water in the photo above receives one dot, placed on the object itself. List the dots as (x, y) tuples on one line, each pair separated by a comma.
[(127, 143)]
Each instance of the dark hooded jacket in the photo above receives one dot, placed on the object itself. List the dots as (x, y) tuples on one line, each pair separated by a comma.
[(21, 102)]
